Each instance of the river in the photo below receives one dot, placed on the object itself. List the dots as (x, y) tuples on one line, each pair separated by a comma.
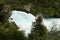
[(49, 22), (24, 21)]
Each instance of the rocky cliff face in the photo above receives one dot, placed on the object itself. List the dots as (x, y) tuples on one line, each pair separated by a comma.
[(25, 8)]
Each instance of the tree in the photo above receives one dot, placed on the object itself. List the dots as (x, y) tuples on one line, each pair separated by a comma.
[(39, 31), (4, 13), (9, 31)]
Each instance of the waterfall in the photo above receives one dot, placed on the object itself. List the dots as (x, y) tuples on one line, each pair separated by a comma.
[(23, 20)]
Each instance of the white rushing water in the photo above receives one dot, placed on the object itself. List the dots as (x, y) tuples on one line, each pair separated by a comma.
[(49, 22), (24, 21)]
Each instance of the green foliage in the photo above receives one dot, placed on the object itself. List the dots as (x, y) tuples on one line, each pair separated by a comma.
[(11, 32), (4, 13), (49, 8), (39, 31)]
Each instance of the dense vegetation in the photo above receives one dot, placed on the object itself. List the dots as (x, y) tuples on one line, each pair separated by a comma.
[(9, 31), (39, 31), (48, 8)]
